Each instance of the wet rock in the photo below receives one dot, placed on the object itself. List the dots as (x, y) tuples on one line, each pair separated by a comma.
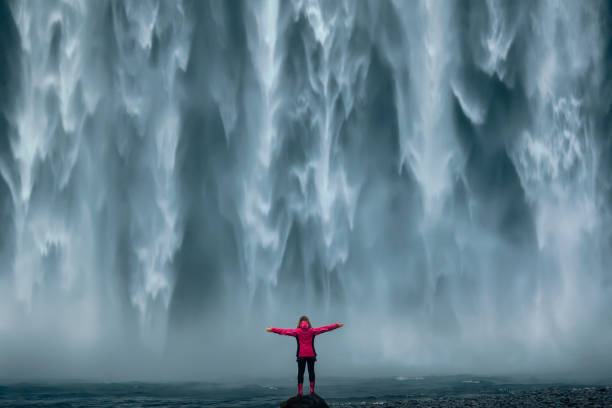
[(305, 401)]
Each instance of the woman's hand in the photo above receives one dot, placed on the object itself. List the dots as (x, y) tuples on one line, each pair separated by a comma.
[(340, 324), (269, 329)]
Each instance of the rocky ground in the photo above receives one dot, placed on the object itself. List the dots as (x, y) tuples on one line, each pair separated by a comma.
[(545, 397)]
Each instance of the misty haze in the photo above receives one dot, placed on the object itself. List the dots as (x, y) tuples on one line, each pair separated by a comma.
[(178, 176)]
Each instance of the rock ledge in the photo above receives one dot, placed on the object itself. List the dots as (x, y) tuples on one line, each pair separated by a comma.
[(305, 401)]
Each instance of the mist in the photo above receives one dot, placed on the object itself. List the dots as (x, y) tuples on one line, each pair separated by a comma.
[(176, 176)]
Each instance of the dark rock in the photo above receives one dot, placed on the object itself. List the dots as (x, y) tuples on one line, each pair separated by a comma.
[(305, 401)]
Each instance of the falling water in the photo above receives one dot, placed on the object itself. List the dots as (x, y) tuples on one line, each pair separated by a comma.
[(178, 175)]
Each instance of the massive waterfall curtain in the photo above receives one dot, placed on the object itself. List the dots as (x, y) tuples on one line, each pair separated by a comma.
[(175, 176)]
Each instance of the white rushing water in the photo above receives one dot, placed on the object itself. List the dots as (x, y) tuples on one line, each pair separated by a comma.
[(178, 175)]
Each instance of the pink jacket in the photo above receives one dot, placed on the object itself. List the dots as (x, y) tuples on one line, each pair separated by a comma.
[(305, 338)]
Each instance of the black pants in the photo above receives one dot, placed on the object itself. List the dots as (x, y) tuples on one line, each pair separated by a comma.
[(302, 365)]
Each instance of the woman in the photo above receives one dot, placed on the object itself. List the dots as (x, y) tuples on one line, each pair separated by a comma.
[(304, 335)]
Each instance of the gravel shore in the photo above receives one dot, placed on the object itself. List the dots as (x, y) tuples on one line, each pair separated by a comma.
[(545, 397)]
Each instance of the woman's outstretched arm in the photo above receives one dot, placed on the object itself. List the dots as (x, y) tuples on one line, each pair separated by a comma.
[(323, 329), (285, 332)]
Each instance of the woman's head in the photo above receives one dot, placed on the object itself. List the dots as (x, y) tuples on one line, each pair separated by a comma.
[(304, 319)]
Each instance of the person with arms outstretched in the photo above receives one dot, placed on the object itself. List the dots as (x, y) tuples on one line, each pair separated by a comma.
[(306, 355)]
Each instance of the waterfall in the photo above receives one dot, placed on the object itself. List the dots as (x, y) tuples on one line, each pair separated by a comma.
[(178, 175)]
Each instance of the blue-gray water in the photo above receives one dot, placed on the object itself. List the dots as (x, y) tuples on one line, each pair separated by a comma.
[(176, 176), (268, 393)]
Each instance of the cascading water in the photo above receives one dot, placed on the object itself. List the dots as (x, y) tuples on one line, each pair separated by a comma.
[(178, 175)]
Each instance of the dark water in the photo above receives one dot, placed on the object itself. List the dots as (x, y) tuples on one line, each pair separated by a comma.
[(336, 391)]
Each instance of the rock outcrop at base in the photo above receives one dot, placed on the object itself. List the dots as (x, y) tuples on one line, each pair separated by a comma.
[(305, 401)]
